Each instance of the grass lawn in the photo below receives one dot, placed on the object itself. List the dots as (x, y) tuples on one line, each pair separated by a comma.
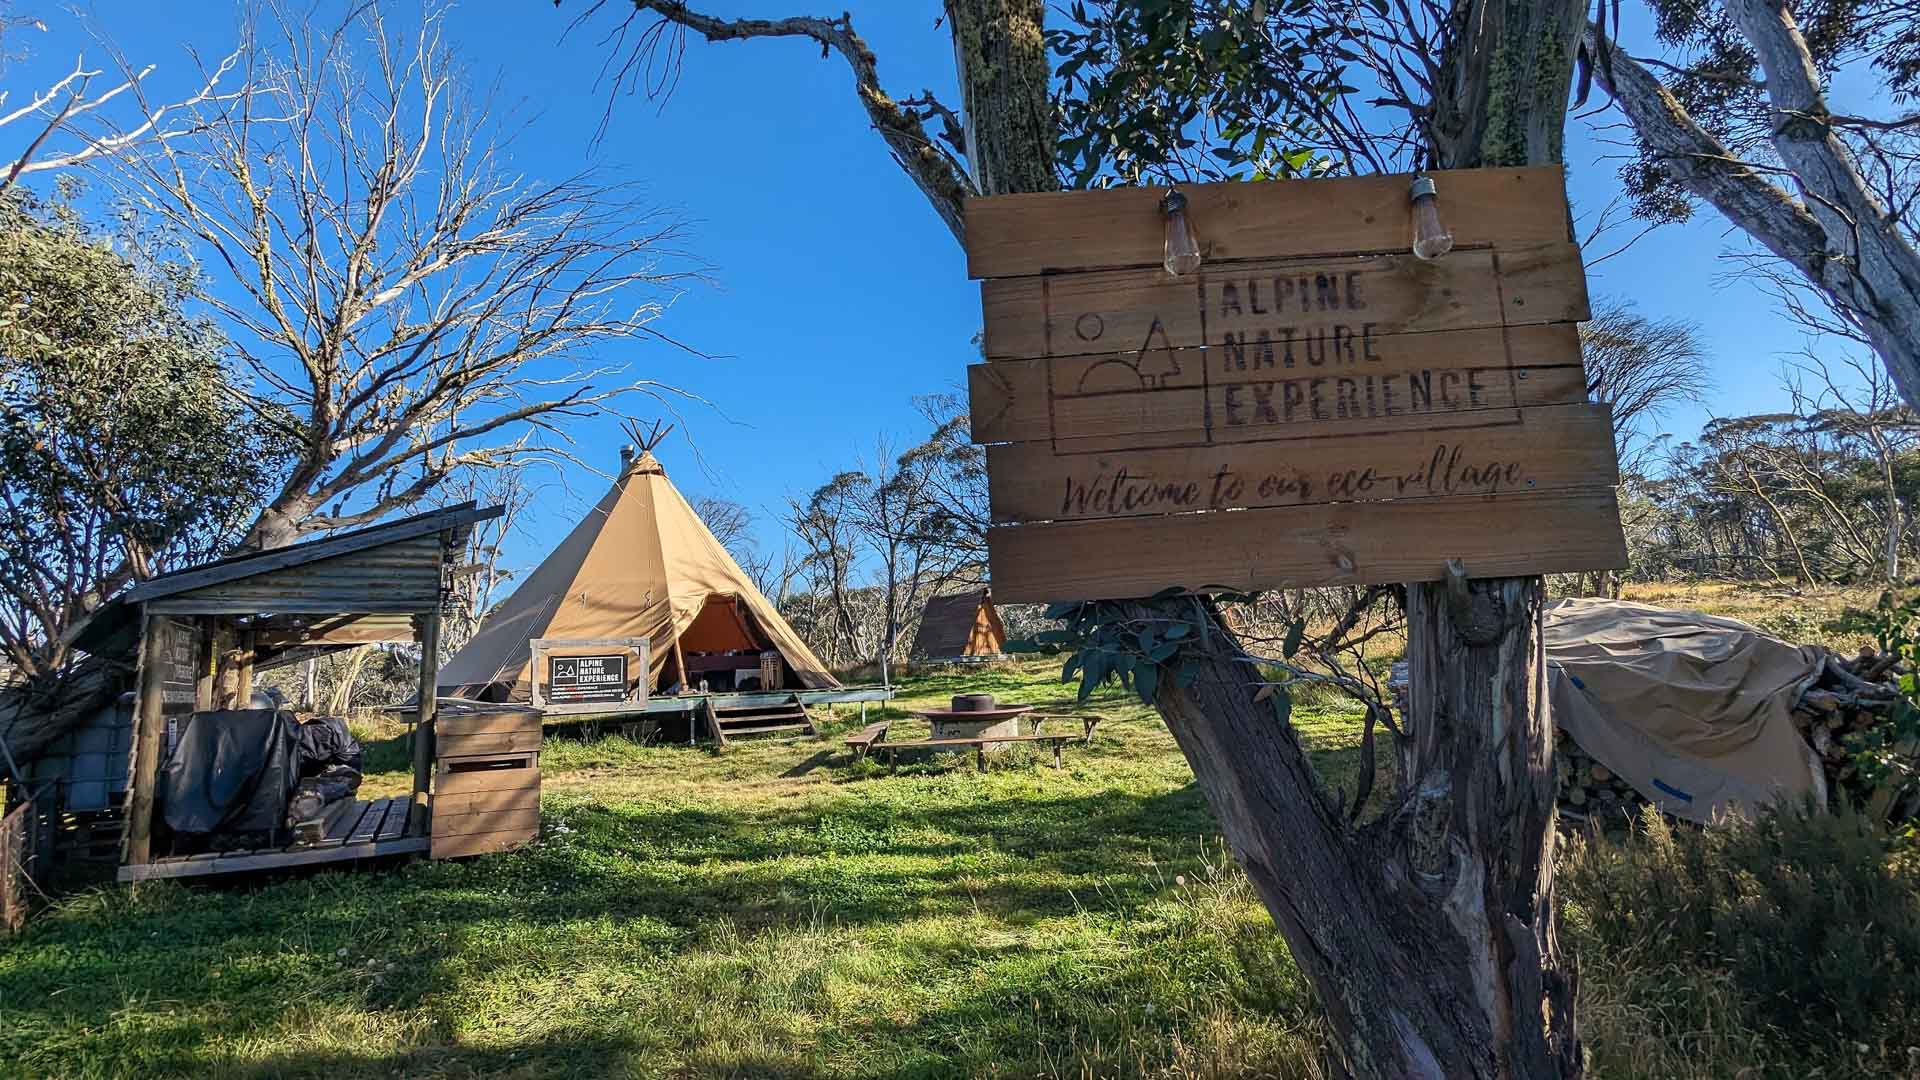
[(776, 911), (773, 911)]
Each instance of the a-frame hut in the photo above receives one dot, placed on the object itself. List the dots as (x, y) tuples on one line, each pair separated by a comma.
[(641, 564), (960, 626)]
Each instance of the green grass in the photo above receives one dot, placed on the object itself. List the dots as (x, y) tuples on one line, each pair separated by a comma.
[(773, 911), (776, 911)]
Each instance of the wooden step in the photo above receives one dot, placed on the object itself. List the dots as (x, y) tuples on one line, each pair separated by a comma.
[(723, 709), (766, 714), (732, 731)]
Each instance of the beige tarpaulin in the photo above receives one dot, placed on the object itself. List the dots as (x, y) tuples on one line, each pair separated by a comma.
[(640, 564), (1691, 709)]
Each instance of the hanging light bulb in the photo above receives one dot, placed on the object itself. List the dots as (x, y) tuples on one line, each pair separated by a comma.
[(1430, 236), (1183, 250)]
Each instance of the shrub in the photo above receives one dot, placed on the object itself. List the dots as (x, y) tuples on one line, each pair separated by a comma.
[(1801, 929)]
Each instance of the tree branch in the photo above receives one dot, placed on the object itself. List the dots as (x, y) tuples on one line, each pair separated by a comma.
[(933, 170)]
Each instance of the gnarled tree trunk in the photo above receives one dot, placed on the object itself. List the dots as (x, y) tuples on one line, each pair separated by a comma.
[(1429, 931)]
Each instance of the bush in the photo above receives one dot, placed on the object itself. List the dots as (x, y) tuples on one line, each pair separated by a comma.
[(1795, 935)]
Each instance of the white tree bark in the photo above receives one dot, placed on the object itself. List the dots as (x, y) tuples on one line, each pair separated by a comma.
[(1835, 233)]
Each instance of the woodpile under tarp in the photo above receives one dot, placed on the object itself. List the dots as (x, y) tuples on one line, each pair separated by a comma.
[(1852, 697), (1625, 678), (1692, 710)]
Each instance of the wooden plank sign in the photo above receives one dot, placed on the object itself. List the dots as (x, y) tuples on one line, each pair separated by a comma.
[(1313, 406)]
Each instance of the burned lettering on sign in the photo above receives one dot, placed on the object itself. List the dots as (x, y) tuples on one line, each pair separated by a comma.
[(1447, 469), (1260, 352)]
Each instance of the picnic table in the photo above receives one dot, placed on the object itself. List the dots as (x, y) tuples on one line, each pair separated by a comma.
[(873, 739)]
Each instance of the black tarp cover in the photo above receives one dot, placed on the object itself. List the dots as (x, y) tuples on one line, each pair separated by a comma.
[(232, 771), (325, 741)]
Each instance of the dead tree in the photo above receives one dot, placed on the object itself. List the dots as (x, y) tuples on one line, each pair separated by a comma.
[(411, 305)]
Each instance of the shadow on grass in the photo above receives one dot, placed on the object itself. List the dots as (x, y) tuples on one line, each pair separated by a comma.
[(143, 982), (580, 1055), (662, 873), (819, 759)]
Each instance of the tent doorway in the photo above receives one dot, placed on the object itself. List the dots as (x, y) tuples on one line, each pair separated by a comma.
[(724, 650)]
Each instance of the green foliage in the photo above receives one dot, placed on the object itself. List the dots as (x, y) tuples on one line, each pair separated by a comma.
[(1806, 494), (1807, 920), (1141, 654), (124, 447), (1182, 90)]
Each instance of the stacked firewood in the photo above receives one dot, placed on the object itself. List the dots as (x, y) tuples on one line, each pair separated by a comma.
[(1851, 695), (1589, 791)]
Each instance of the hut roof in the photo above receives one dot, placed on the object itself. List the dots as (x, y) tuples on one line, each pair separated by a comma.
[(948, 626)]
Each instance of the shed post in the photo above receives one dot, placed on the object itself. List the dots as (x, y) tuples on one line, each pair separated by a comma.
[(149, 728), (427, 632), (243, 680), (206, 663)]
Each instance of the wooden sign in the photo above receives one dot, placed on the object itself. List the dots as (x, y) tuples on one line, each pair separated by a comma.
[(1313, 406), (585, 675), (586, 678)]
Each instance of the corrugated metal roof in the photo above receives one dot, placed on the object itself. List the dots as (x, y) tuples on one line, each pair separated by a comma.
[(248, 564), (112, 630)]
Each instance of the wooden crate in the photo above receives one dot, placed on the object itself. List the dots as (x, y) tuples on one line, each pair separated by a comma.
[(486, 784)]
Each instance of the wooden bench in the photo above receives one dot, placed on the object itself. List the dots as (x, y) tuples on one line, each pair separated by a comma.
[(1088, 722), (862, 743)]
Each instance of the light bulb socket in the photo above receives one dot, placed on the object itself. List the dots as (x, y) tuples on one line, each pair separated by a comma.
[(1173, 202), (1422, 185)]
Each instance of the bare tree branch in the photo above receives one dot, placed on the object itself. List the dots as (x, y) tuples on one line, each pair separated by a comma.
[(1838, 234), (409, 305), (66, 108), (656, 55)]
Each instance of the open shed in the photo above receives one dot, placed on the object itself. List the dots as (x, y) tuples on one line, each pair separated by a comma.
[(203, 632)]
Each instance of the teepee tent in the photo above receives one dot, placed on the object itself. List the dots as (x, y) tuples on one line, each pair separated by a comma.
[(640, 564)]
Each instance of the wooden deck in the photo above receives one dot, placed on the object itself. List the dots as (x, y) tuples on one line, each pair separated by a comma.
[(367, 830), (763, 699)]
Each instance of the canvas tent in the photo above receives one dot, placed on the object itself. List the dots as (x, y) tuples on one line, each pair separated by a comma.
[(960, 624), (641, 563)]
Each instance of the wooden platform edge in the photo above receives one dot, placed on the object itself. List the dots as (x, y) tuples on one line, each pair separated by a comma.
[(243, 862)]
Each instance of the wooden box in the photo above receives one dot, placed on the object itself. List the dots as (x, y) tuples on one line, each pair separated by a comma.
[(486, 783)]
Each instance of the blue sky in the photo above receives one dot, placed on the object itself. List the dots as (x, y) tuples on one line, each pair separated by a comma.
[(837, 294)]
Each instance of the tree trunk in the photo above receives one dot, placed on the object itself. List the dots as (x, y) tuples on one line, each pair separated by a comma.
[(1501, 98), (1429, 933), (340, 702), (1001, 59)]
